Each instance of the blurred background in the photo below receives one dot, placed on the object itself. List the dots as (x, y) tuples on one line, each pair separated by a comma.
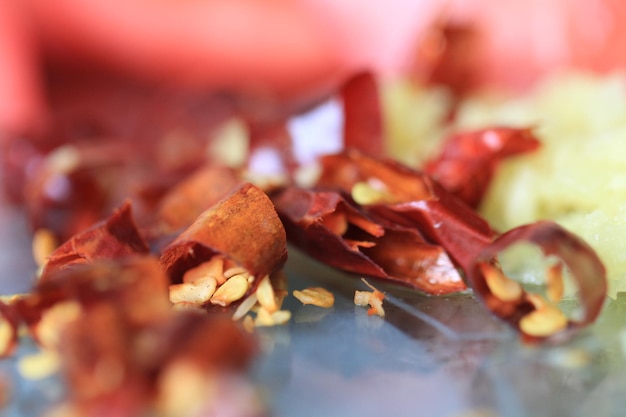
[(291, 51)]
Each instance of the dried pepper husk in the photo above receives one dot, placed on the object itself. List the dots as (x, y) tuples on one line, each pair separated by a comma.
[(128, 140), (468, 160), (74, 186), (390, 192), (134, 284), (173, 367), (335, 231), (411, 199), (448, 54), (363, 124), (112, 239), (183, 203), (243, 227), (516, 304), (112, 325)]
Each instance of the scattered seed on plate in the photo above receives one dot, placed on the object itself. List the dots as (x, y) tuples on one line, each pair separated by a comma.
[(373, 299), (317, 296)]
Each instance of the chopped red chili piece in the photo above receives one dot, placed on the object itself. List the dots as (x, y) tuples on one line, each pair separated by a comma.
[(449, 55), (411, 199), (469, 160), (111, 239), (363, 125), (119, 339), (243, 227), (335, 231), (183, 203), (534, 316)]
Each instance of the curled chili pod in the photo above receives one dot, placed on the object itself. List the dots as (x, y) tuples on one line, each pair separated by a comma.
[(399, 195), (469, 160), (335, 231), (242, 228), (537, 316), (111, 239)]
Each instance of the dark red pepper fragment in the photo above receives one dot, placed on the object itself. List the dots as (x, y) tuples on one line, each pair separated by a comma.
[(587, 272), (74, 186), (469, 160), (243, 227), (411, 199), (184, 202), (111, 239), (118, 352), (363, 124), (448, 54), (334, 230)]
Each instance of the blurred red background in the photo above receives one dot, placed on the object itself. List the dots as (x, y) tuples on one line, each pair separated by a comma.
[(295, 50)]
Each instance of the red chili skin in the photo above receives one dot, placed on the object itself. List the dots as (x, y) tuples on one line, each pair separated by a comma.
[(444, 222), (363, 124), (123, 303), (449, 54), (243, 227), (469, 160), (417, 201), (363, 245), (110, 240), (587, 272), (185, 201)]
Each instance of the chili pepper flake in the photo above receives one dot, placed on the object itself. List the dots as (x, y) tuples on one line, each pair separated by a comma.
[(333, 229), (373, 299)]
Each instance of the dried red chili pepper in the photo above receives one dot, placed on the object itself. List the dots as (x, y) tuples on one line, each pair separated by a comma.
[(449, 55), (187, 200), (411, 199), (111, 239), (118, 337), (243, 227), (333, 230), (468, 160), (535, 317), (134, 285), (148, 368), (396, 194), (110, 139), (76, 185), (362, 125)]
